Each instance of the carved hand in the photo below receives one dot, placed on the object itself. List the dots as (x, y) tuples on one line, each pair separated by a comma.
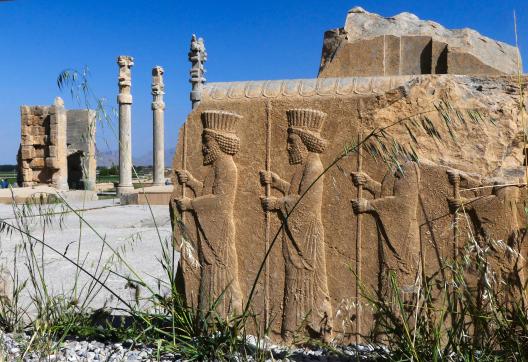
[(268, 177), (183, 176), (271, 203), (184, 204), (359, 178), (453, 176), (361, 205), (455, 204)]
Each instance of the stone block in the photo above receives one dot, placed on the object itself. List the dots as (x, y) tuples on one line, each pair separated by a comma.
[(460, 62), (439, 58), (406, 220), (362, 58), (37, 163), (40, 140), (27, 152), (53, 138), (27, 174), (27, 139), (39, 152), (52, 163), (416, 53), (392, 55)]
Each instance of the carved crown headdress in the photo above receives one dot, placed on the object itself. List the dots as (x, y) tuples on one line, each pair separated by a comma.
[(306, 118), (221, 121)]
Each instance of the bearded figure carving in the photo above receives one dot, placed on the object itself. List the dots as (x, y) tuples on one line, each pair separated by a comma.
[(306, 297), (213, 211)]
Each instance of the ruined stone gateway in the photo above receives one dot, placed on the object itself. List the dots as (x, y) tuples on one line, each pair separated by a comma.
[(252, 154), (57, 147)]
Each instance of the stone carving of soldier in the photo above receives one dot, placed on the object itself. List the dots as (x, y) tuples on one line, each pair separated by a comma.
[(213, 210), (306, 297), (395, 207), (497, 225)]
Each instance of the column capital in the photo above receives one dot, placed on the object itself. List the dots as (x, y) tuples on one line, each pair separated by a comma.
[(158, 87), (197, 57), (125, 63)]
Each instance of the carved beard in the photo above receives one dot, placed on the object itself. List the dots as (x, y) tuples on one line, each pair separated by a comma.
[(296, 154), (211, 153)]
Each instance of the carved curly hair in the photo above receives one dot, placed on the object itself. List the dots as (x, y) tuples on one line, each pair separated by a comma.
[(228, 142), (313, 142)]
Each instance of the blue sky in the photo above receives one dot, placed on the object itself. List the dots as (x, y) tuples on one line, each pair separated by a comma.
[(245, 40)]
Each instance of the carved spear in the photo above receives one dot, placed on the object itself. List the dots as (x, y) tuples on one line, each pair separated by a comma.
[(184, 157), (358, 242), (456, 195), (267, 217)]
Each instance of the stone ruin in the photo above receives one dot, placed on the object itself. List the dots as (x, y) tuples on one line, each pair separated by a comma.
[(57, 147), (249, 150), (371, 45)]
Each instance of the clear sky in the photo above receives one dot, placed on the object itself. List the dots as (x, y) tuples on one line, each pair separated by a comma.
[(245, 40)]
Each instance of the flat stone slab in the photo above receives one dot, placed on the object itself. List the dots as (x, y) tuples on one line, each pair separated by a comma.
[(153, 195), (44, 194)]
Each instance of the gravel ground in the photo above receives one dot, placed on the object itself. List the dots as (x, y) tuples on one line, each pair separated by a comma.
[(13, 347)]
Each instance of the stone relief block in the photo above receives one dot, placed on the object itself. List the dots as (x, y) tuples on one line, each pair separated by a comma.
[(406, 214)]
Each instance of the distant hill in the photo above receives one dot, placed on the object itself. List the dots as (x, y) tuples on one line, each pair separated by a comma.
[(109, 158)]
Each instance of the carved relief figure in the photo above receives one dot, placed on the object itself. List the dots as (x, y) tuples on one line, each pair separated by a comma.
[(395, 207), (497, 224), (213, 210), (306, 297)]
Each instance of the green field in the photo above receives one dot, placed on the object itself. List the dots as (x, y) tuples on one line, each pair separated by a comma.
[(10, 176)]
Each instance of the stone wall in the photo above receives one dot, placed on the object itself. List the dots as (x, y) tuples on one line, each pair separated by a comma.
[(466, 132), (57, 147), (81, 149), (42, 155)]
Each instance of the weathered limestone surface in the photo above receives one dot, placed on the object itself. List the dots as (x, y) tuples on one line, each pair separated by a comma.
[(42, 158), (82, 164), (124, 99), (372, 45), (254, 147)]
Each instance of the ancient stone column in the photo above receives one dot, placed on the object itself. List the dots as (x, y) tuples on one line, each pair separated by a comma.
[(125, 120), (197, 57), (158, 109), (58, 153)]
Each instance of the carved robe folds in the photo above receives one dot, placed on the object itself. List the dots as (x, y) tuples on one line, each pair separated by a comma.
[(214, 212), (306, 297)]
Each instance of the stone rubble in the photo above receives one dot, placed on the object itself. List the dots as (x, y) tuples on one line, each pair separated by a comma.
[(12, 348)]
